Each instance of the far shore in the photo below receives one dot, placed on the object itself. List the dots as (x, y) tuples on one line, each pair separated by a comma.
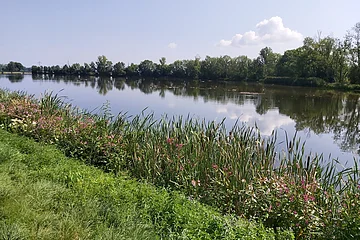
[(23, 73)]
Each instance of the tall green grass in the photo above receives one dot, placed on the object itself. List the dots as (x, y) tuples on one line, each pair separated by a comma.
[(44, 195), (237, 171)]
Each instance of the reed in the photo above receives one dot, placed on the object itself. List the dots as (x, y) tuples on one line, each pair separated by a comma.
[(237, 171)]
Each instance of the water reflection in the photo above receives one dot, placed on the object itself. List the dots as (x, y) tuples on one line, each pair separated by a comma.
[(311, 111), (15, 78)]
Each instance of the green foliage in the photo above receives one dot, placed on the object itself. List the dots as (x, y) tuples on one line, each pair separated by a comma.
[(2, 67), (45, 195), (103, 65), (119, 69), (321, 59), (237, 172), (147, 68), (14, 67), (289, 81)]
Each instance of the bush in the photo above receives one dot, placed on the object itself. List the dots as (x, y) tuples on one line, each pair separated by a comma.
[(289, 81)]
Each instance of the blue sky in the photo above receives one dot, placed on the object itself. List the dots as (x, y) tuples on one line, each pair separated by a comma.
[(58, 32)]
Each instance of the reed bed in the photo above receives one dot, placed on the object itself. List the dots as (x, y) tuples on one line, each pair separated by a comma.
[(237, 171)]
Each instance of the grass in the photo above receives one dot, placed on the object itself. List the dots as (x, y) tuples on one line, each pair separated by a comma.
[(42, 197), (312, 82), (45, 195), (293, 81), (236, 172)]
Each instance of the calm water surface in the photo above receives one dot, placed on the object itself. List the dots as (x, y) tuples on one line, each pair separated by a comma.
[(328, 121)]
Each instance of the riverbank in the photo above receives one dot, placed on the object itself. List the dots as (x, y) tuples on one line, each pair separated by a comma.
[(45, 195), (15, 73), (311, 82), (238, 172)]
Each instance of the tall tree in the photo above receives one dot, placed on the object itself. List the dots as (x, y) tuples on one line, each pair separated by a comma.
[(147, 68), (119, 69), (132, 70), (354, 40), (75, 69), (163, 69), (340, 61), (269, 59), (103, 66), (14, 67), (2, 67)]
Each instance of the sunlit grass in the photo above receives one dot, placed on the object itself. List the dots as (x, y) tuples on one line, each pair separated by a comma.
[(44, 195), (237, 170)]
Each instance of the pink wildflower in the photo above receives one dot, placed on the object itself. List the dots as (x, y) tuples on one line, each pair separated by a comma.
[(193, 182), (179, 146)]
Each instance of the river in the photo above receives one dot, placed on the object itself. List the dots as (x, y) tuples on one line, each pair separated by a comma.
[(327, 121)]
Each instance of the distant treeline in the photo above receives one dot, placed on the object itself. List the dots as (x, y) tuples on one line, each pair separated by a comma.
[(320, 59), (12, 67)]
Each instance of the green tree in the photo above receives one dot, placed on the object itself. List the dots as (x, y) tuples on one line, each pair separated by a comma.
[(147, 68), (257, 69), (223, 64), (75, 69), (36, 69), (240, 68), (87, 69), (163, 69), (210, 69), (287, 64), (353, 38), (103, 66), (65, 69), (269, 59), (119, 69), (192, 68), (340, 61), (132, 70), (93, 67), (14, 67), (178, 69), (2, 67)]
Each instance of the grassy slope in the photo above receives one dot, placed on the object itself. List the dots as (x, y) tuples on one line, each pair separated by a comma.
[(44, 195)]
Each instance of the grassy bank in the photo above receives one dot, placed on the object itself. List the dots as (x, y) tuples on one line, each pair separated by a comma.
[(45, 195), (311, 82), (237, 172)]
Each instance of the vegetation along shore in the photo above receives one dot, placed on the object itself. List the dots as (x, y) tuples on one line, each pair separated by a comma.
[(236, 172), (45, 195), (320, 62)]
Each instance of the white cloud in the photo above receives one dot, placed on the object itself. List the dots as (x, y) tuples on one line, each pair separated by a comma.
[(221, 110), (172, 45), (171, 105), (246, 113), (267, 31)]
